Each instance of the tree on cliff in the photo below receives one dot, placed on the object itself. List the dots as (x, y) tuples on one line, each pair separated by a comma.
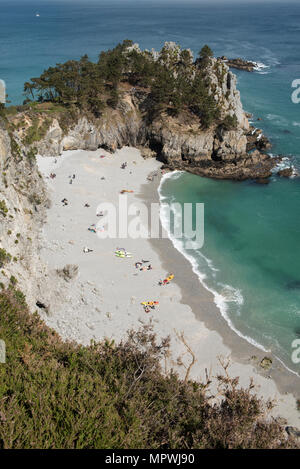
[(172, 79), (206, 52)]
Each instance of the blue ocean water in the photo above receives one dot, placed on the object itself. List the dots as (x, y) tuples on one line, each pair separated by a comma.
[(251, 231)]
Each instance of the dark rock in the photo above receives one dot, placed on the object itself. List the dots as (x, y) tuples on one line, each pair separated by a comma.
[(240, 64), (286, 173), (262, 181), (293, 431), (266, 363)]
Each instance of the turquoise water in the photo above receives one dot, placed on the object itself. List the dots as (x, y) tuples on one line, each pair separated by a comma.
[(251, 231)]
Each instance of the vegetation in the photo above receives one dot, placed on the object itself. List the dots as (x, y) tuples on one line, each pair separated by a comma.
[(173, 80), (206, 52), (3, 208), (36, 131), (55, 394), (229, 122), (5, 257)]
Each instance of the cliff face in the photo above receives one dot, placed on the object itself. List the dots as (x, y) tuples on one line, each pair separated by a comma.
[(23, 209), (23, 202)]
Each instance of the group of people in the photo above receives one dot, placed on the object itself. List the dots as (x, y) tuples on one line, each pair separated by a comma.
[(71, 179), (147, 305), (141, 267), (167, 280)]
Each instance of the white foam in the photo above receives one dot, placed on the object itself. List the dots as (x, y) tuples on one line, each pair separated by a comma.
[(229, 293), (261, 68), (285, 163)]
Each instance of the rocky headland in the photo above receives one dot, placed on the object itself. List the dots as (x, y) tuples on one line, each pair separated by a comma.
[(228, 148)]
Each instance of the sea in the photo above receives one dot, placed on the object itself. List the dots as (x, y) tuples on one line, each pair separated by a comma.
[(250, 259)]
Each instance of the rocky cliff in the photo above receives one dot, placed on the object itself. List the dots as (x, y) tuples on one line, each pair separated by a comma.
[(23, 207), (179, 141)]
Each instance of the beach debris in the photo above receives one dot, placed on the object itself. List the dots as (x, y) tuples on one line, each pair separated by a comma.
[(266, 363), (68, 272), (87, 205), (167, 280), (124, 191), (102, 156)]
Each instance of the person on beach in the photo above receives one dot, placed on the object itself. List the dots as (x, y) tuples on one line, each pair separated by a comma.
[(85, 250)]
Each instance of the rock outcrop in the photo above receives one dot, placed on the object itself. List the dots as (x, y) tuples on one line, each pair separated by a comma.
[(240, 64), (179, 141)]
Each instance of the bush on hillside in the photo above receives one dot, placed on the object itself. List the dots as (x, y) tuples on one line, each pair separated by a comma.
[(56, 394)]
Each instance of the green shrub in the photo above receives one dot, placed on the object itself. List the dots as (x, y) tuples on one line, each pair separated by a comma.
[(56, 394), (3, 208), (5, 257), (229, 122)]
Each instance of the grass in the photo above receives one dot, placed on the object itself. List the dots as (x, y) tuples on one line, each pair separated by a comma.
[(3, 208), (37, 131), (55, 394)]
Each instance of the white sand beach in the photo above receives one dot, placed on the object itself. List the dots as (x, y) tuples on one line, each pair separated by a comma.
[(104, 300)]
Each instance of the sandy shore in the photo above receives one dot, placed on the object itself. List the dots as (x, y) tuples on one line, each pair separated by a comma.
[(104, 299)]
